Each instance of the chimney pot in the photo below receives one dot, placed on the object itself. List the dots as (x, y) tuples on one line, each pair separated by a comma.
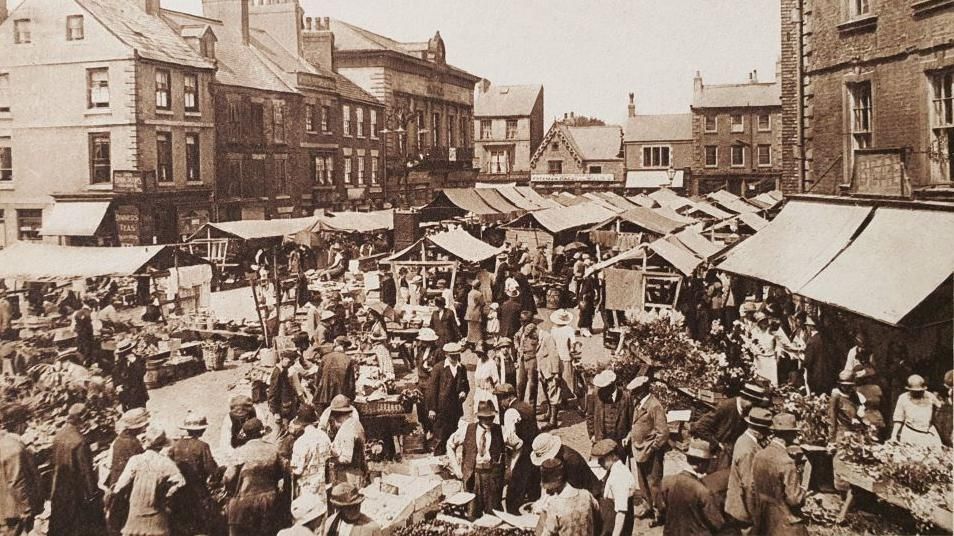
[(755, 76), (308, 23), (632, 105), (566, 115)]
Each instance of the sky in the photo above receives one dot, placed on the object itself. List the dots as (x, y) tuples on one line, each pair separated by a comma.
[(588, 54)]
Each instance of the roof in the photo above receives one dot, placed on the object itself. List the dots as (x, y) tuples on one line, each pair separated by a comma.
[(506, 101), (532, 195), (617, 200), (664, 127), (597, 142), (709, 210), (642, 200), (498, 202), (457, 242), (256, 229), (647, 219), (351, 91), (560, 219), (738, 95), (732, 202), (654, 178), (677, 255), (360, 222), (151, 37), (803, 239), (26, 261)]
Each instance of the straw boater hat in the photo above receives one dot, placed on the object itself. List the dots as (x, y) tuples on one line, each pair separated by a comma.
[(784, 422), (759, 418), (452, 348), (545, 447), (604, 378), (341, 404), (561, 317), (755, 393), (699, 449), (345, 494), (194, 421), (307, 508), (503, 342), (916, 383), (427, 335), (513, 292), (486, 409), (124, 346), (326, 315), (134, 419)]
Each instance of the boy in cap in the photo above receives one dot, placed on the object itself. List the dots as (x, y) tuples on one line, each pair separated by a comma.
[(777, 490), (347, 499), (688, 507), (22, 487), (126, 445), (616, 505), (564, 508)]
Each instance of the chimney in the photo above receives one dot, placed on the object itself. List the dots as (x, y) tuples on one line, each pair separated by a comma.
[(697, 86), (281, 19), (151, 7), (571, 115), (3, 11), (483, 86), (755, 76), (232, 13), (632, 105), (318, 43)]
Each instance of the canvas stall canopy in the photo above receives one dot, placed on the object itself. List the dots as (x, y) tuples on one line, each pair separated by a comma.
[(25, 261), (643, 200), (452, 203), (603, 202), (668, 198), (617, 200), (696, 243), (255, 229), (556, 220), (632, 227), (732, 202), (455, 242), (767, 200), (704, 211), (355, 222), (532, 195)]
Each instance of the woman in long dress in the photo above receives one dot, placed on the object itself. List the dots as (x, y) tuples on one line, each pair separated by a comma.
[(763, 347), (487, 376), (913, 415)]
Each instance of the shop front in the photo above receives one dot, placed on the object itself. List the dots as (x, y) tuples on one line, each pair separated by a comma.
[(577, 183)]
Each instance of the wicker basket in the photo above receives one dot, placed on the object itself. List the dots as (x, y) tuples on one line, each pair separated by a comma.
[(214, 356)]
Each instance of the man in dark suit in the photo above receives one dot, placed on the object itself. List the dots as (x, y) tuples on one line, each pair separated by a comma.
[(21, 488), (481, 461), (443, 323), (609, 411), (726, 422), (509, 315), (648, 441), (820, 370), (684, 501), (524, 482), (76, 507), (448, 391), (129, 377), (388, 288)]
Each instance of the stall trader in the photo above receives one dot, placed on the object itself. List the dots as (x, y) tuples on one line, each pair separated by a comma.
[(518, 419), (578, 473), (481, 461), (129, 376), (347, 447)]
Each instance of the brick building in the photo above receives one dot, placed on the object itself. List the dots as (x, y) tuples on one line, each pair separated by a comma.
[(736, 131), (579, 159), (125, 149), (429, 108), (508, 129), (655, 146), (867, 86)]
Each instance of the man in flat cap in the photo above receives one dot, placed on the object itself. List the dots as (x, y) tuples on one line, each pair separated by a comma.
[(20, 486)]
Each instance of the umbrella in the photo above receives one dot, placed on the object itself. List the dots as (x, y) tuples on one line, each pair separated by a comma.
[(574, 245)]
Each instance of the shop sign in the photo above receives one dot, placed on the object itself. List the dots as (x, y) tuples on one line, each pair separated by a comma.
[(356, 194), (135, 182), (878, 172), (573, 177), (128, 225)]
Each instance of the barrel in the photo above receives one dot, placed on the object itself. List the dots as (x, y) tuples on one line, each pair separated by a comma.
[(152, 377)]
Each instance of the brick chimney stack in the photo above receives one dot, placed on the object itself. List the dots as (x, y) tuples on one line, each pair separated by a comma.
[(318, 42), (151, 7), (632, 105), (483, 86), (697, 86)]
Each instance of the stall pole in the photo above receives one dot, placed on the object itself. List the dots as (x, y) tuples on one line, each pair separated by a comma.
[(278, 285), (253, 284)]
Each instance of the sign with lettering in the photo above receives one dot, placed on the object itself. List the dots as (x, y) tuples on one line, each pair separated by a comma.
[(878, 172), (573, 177), (128, 225), (127, 181)]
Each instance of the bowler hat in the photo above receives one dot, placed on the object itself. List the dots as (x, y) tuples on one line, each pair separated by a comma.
[(134, 419), (486, 409), (345, 494), (759, 418), (505, 389), (916, 383), (551, 471), (784, 422), (341, 404)]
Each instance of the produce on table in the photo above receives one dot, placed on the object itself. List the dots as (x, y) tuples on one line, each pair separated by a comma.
[(441, 528)]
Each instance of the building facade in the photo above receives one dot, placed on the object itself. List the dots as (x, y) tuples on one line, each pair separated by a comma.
[(868, 93), (428, 108), (128, 141), (508, 129), (736, 131), (655, 147), (579, 159)]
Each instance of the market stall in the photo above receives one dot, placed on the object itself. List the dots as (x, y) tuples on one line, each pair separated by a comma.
[(631, 228), (223, 243)]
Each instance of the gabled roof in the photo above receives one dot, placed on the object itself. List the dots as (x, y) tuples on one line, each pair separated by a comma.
[(506, 101), (664, 127), (350, 91), (738, 95), (150, 36), (598, 142)]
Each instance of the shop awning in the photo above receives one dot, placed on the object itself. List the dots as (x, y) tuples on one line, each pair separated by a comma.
[(74, 219), (654, 178), (456, 242), (732, 202), (27, 261), (356, 222), (256, 229), (900, 258), (797, 244), (560, 219)]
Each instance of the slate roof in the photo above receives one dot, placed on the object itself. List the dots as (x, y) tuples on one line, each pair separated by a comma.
[(665, 127), (738, 95), (151, 37), (351, 91), (241, 65), (506, 101), (597, 142)]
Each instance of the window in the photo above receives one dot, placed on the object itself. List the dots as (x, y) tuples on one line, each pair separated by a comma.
[(74, 28), (4, 93), (499, 161), (942, 126), (765, 122), (346, 119), (656, 156), (309, 118), (764, 154), (6, 164), (555, 167), (737, 121), (349, 178), (100, 168), (193, 166), (163, 96), (511, 129), (256, 122), (596, 169), (97, 88), (359, 119), (436, 128), (555, 146), (29, 223), (712, 123), (360, 169), (859, 8), (324, 166), (281, 176), (485, 129), (421, 131), (374, 123), (164, 157), (234, 121), (451, 131), (374, 169), (465, 132), (712, 156), (737, 156), (325, 117), (859, 96), (21, 31), (190, 92), (278, 121)]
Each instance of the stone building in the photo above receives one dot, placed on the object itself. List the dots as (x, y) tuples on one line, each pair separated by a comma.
[(429, 108), (736, 131), (508, 128), (579, 159), (655, 147), (126, 146), (868, 97)]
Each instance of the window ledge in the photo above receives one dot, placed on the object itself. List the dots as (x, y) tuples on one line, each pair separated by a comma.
[(98, 111), (194, 183), (6, 115), (867, 22), (193, 114), (924, 6), (100, 186), (7, 185), (160, 111)]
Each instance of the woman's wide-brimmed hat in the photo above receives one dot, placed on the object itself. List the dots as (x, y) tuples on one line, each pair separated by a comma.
[(561, 317), (604, 378), (194, 421), (916, 383), (427, 335), (545, 447)]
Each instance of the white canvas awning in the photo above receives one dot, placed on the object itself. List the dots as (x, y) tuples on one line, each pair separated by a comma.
[(457, 242), (25, 261), (654, 178), (257, 229), (74, 219)]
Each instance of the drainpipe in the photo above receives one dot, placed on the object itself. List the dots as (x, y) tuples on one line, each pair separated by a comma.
[(800, 95)]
